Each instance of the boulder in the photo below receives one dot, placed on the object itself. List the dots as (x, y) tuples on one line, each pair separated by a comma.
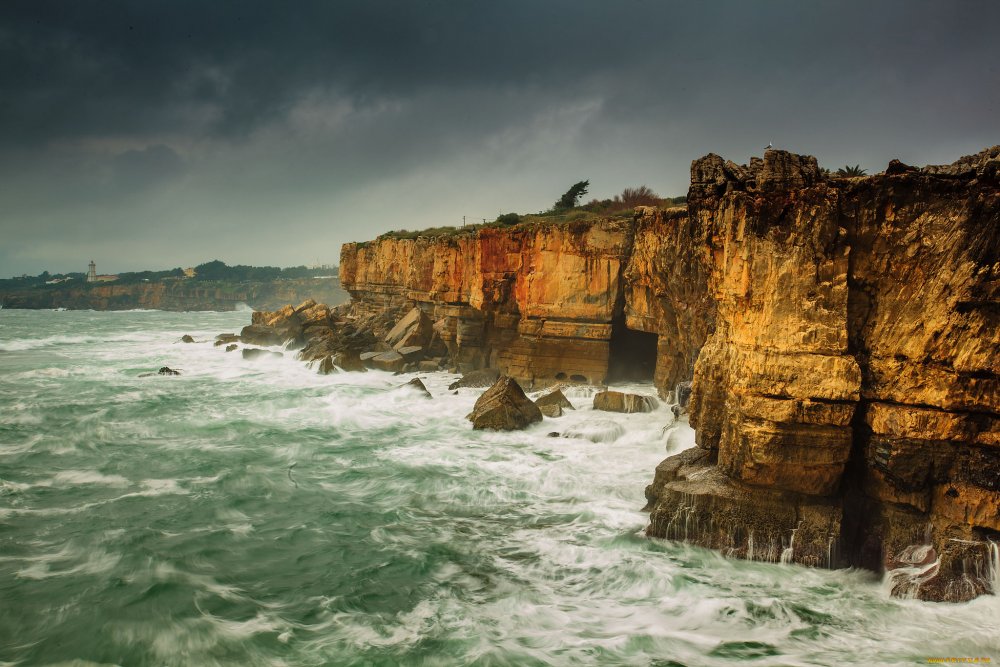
[(552, 404), (414, 329), (349, 361), (417, 385), (326, 366), (366, 358), (616, 401), (411, 352), (427, 366), (186, 338), (389, 361), (231, 347), (257, 353), (477, 379), (504, 407)]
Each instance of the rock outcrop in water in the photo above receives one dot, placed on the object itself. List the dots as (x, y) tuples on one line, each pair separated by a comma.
[(846, 394)]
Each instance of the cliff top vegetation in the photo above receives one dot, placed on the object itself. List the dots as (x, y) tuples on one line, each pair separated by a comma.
[(564, 210)]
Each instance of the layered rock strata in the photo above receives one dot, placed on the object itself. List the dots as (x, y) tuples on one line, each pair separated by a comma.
[(848, 401)]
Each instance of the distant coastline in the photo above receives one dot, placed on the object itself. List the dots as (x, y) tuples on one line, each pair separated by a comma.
[(210, 286)]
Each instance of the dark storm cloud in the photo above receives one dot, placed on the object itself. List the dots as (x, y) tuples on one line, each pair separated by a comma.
[(273, 132)]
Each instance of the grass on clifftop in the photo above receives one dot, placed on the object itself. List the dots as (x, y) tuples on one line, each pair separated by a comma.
[(620, 207)]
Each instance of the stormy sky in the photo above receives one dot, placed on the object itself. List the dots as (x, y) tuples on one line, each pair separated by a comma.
[(162, 134)]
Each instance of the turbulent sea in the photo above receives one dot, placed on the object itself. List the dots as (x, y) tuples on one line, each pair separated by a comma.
[(256, 513)]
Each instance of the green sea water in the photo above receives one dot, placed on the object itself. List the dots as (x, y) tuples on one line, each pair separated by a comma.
[(257, 513)]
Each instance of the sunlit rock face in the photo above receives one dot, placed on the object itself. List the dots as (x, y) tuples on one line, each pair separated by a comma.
[(842, 336), (542, 304), (853, 370)]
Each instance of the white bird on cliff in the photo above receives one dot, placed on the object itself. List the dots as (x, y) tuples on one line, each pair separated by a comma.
[(769, 144)]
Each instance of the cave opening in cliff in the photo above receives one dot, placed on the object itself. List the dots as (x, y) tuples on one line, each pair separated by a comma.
[(632, 355)]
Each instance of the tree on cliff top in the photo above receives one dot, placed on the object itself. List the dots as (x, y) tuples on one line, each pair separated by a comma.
[(572, 196), (850, 171)]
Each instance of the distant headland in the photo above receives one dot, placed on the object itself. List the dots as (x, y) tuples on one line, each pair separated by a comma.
[(213, 285)]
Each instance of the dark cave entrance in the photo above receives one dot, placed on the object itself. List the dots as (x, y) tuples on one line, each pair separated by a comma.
[(632, 356)]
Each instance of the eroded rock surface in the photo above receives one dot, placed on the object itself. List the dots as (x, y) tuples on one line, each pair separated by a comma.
[(504, 407)]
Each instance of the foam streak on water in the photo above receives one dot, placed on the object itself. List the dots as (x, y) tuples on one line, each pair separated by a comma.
[(256, 513)]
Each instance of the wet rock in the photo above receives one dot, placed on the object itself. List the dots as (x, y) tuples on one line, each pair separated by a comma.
[(552, 404), (427, 366), (165, 370), (477, 379), (616, 401), (682, 395), (417, 385), (504, 407), (226, 339), (552, 434), (231, 347), (258, 353), (186, 338), (389, 361), (260, 334), (326, 366), (551, 410), (349, 361)]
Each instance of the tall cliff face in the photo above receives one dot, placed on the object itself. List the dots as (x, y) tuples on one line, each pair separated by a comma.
[(847, 404), (544, 304), (843, 336)]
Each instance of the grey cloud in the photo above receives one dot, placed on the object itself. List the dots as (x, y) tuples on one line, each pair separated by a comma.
[(272, 131)]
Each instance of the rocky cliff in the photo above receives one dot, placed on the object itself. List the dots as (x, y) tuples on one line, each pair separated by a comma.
[(177, 295), (842, 335)]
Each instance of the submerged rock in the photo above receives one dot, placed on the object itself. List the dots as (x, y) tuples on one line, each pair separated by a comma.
[(165, 370), (186, 338), (231, 347), (504, 407), (596, 430), (417, 385), (258, 353), (616, 401), (226, 339)]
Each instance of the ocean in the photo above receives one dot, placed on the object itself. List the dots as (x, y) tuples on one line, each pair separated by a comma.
[(257, 513)]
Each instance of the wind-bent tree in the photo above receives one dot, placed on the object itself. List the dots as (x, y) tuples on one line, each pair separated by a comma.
[(850, 171), (572, 196)]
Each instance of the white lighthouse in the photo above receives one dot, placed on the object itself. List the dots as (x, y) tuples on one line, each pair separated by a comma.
[(92, 272)]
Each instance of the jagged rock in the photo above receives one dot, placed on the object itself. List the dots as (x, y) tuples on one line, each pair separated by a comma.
[(486, 377), (389, 361), (682, 395), (258, 353), (417, 385), (231, 347), (616, 401), (165, 370), (326, 366), (349, 361), (504, 407), (896, 167), (186, 338), (260, 334), (413, 330), (552, 404)]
